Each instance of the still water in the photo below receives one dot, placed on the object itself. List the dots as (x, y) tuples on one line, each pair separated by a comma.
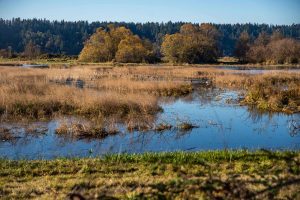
[(221, 124)]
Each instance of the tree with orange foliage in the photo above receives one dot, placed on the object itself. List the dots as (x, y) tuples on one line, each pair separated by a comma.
[(193, 44), (116, 43), (131, 50)]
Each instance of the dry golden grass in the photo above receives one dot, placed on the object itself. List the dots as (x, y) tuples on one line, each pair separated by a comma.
[(121, 79), (27, 93), (158, 88), (161, 72), (64, 100), (243, 80)]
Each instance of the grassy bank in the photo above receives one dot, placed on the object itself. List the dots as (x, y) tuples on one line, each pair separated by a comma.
[(178, 175)]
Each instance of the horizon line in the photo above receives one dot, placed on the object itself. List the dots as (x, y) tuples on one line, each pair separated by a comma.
[(162, 22)]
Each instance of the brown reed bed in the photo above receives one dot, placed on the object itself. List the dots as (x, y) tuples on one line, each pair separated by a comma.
[(67, 101), (24, 95)]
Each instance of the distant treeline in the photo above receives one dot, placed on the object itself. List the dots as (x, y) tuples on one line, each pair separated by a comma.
[(44, 37)]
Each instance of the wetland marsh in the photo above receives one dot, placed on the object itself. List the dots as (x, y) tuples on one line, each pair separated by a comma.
[(93, 110), (144, 107)]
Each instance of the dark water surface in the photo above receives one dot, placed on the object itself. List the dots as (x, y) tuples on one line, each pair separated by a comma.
[(222, 124)]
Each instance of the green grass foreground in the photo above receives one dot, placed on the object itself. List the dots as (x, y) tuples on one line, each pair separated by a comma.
[(179, 175)]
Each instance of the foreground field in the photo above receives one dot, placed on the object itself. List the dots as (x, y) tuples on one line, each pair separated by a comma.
[(179, 175)]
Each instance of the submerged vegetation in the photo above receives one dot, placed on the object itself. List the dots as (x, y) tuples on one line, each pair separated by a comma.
[(183, 175)]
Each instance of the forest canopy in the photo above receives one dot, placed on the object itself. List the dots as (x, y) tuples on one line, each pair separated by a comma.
[(32, 38)]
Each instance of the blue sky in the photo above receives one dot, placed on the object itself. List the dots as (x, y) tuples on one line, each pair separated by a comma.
[(216, 11)]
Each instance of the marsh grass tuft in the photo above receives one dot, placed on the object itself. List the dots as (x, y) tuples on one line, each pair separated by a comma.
[(185, 126), (6, 135), (163, 127), (82, 130), (275, 93), (279, 92)]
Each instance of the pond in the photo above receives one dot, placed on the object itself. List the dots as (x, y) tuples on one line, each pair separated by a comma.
[(221, 124)]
